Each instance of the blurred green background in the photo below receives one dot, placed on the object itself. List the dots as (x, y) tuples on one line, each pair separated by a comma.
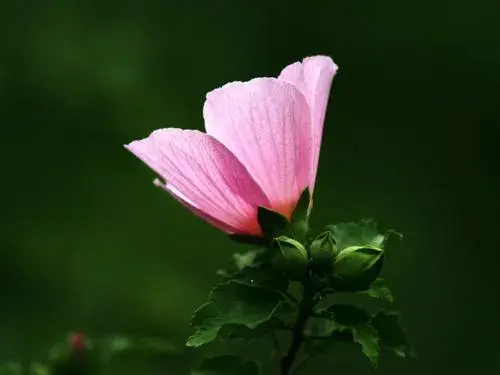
[(87, 242)]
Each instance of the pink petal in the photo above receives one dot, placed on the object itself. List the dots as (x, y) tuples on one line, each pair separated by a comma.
[(205, 176), (177, 195), (313, 77), (266, 124)]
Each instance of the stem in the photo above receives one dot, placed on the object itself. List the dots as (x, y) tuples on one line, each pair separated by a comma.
[(306, 306)]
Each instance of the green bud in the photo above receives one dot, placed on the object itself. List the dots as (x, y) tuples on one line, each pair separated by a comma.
[(294, 257), (356, 267), (323, 250)]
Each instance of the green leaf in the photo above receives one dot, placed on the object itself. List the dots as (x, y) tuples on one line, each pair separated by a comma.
[(347, 323), (260, 275), (320, 327), (248, 259), (11, 368), (226, 365), (366, 336), (364, 233), (380, 290), (348, 315), (38, 369), (239, 331), (272, 223), (156, 346), (392, 335), (234, 302), (114, 346)]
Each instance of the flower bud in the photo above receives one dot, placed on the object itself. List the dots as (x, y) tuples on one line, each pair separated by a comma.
[(294, 257), (356, 267), (323, 250), (77, 341), (75, 356)]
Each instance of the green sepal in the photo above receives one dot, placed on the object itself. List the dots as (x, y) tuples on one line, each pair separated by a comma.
[(226, 365), (234, 302), (272, 223), (356, 268), (323, 251), (300, 216), (294, 257), (301, 211)]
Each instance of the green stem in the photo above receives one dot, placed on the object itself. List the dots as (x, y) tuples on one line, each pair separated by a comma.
[(306, 306)]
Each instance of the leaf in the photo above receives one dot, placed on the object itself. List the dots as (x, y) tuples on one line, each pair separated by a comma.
[(239, 331), (234, 302), (319, 327), (364, 233), (226, 365), (202, 336), (248, 259), (366, 336), (38, 369), (392, 335), (380, 290), (261, 275), (117, 345), (348, 315), (347, 323), (11, 368), (272, 223), (157, 346)]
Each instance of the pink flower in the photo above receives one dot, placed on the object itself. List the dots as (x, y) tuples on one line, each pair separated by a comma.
[(261, 147), (77, 341)]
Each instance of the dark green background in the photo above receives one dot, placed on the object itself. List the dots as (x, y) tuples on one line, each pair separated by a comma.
[(88, 242)]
